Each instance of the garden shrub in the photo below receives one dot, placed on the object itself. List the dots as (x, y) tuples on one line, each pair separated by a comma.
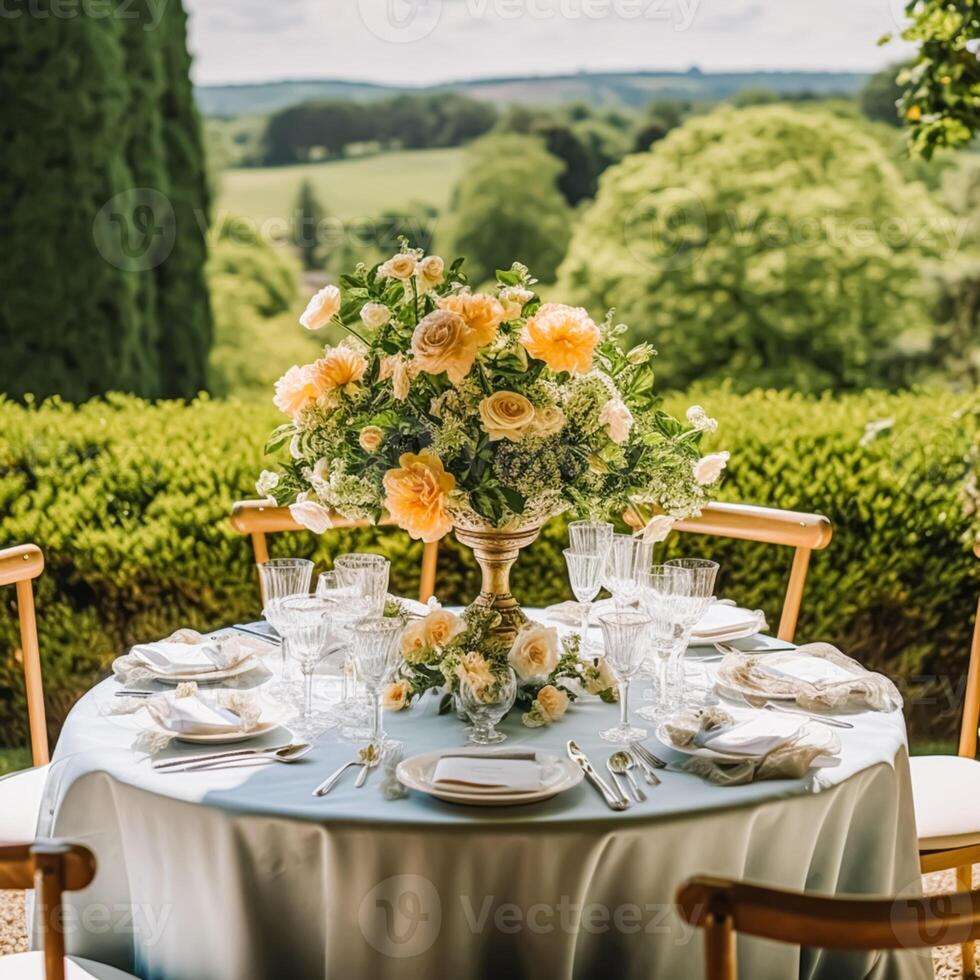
[(129, 501)]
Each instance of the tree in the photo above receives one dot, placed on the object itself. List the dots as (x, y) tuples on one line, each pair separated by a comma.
[(307, 216), (790, 255), (507, 207), (879, 97)]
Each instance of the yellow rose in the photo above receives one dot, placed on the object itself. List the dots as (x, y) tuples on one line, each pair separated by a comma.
[(401, 266), (552, 703), (416, 495), (474, 671), (396, 695), (370, 438), (534, 654), (549, 420), (483, 313), (296, 390), (430, 272), (564, 337), (513, 300), (414, 646), (506, 415), (442, 626), (321, 309), (339, 366), (443, 342)]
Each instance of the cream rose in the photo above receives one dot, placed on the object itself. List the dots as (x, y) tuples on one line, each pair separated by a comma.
[(370, 438), (513, 300), (618, 420), (401, 266), (552, 703), (534, 654), (475, 672), (395, 366), (708, 469), (657, 528), (430, 272), (414, 646), (506, 415), (266, 483), (549, 420), (296, 390), (375, 315), (598, 677), (324, 306), (313, 516), (442, 626), (442, 341), (396, 695), (700, 419)]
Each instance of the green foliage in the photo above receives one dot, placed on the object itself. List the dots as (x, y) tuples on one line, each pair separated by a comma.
[(507, 206), (879, 97), (777, 246), (130, 503), (941, 98), (306, 230)]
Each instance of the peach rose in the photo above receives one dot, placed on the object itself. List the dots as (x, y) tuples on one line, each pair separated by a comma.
[(395, 366), (324, 306), (552, 703), (513, 300), (443, 342), (534, 654), (396, 695), (401, 266), (506, 415), (338, 367), (414, 645), (564, 337), (442, 626), (370, 438), (483, 313), (313, 516), (549, 420), (416, 495), (618, 420), (296, 390), (375, 315), (708, 469), (474, 671), (430, 272)]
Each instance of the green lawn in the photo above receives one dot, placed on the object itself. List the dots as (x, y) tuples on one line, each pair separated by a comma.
[(350, 189)]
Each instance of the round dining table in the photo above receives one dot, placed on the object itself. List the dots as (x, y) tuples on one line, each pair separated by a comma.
[(242, 873)]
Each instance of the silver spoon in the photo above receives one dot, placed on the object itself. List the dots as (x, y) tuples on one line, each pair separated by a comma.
[(291, 753), (647, 768), (616, 773), (622, 762), (370, 757)]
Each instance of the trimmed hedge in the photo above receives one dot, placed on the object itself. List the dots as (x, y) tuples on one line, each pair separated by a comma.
[(129, 501)]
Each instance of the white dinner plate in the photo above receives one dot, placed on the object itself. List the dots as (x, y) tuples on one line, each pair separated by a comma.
[(203, 677), (416, 773), (724, 682), (228, 738)]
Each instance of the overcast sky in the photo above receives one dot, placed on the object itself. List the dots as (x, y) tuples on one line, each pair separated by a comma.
[(423, 41)]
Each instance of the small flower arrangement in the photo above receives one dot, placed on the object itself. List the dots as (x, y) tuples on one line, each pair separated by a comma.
[(442, 649), (444, 405)]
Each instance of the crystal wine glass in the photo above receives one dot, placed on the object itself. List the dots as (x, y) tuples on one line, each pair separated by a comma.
[(486, 705), (376, 652), (629, 557), (590, 537), (281, 577), (623, 634), (661, 589), (585, 577), (368, 574), (690, 606)]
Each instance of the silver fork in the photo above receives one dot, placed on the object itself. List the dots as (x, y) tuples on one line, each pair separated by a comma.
[(642, 752)]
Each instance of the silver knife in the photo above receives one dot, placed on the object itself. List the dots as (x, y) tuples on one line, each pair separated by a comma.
[(184, 760), (613, 799)]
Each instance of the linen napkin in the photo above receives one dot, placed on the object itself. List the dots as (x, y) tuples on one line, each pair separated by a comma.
[(194, 655), (754, 737), (192, 716), (836, 684), (484, 774), (724, 621), (569, 612)]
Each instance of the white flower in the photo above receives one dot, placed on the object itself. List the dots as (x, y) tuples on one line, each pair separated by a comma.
[(512, 299), (401, 266), (322, 308), (266, 483), (313, 516), (375, 315), (701, 421), (618, 420), (598, 677), (294, 448), (708, 469), (534, 654), (657, 528)]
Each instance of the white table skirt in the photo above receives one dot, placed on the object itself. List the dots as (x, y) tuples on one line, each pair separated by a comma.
[(243, 874)]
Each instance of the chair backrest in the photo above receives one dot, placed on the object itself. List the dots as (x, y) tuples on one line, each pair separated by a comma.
[(722, 908), (258, 518), (971, 698), (805, 533), (50, 867), (19, 566)]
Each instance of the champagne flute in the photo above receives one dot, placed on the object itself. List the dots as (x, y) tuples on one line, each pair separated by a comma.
[(368, 574), (623, 634), (691, 605), (660, 590), (376, 651), (629, 557), (585, 577), (278, 578)]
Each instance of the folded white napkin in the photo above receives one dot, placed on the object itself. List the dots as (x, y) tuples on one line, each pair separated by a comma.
[(753, 738), (724, 621), (202, 657), (482, 774), (813, 670), (192, 716), (569, 612)]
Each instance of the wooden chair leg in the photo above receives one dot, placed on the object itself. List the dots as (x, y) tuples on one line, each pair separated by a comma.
[(964, 882), (719, 948), (32, 674), (794, 594)]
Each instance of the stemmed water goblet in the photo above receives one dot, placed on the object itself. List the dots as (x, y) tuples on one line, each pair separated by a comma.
[(585, 577), (279, 578), (690, 606), (368, 575), (624, 635), (376, 652), (660, 590), (590, 537), (485, 705), (629, 558)]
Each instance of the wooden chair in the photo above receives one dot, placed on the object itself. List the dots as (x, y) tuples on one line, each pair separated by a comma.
[(51, 868), (805, 533), (722, 908), (946, 792), (258, 518)]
